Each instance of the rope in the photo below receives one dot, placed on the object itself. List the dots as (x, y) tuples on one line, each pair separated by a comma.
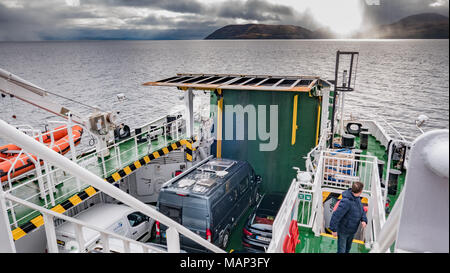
[(72, 100)]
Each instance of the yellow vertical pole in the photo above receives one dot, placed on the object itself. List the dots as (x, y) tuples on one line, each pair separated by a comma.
[(318, 121), (294, 120), (219, 124)]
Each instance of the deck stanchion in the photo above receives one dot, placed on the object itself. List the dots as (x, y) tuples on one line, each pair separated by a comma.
[(72, 145), (7, 245), (189, 112), (80, 237), (28, 143), (105, 242), (50, 183), (51, 233), (173, 240)]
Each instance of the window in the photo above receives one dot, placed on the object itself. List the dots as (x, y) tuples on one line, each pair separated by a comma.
[(243, 185), (173, 213), (136, 218)]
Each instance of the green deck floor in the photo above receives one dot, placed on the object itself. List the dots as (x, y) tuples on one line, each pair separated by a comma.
[(309, 243)]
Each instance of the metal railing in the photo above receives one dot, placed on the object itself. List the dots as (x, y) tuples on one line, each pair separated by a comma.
[(286, 213), (376, 214), (312, 158), (50, 216), (335, 172), (341, 170), (48, 177), (29, 144)]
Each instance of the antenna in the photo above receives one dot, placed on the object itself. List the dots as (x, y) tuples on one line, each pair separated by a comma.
[(346, 83)]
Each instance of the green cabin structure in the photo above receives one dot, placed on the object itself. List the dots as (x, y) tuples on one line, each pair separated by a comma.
[(273, 122)]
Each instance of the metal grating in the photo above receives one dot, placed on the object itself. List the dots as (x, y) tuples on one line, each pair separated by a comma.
[(242, 82)]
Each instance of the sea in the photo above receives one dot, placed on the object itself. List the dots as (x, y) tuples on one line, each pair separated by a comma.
[(396, 80)]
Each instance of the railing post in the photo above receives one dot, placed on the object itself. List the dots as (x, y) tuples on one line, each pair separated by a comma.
[(72, 146), (7, 245), (173, 240), (136, 144), (80, 237), (126, 246), (105, 242), (189, 112), (50, 184), (50, 233)]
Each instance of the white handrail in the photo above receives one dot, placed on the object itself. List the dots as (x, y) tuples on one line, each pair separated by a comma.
[(64, 163), (52, 243), (98, 167)]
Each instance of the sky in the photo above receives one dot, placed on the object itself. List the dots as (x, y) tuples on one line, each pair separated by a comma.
[(35, 20)]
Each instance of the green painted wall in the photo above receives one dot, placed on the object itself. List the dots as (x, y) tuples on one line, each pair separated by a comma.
[(275, 167)]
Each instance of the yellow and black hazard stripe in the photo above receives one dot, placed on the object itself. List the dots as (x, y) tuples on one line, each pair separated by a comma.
[(189, 149), (327, 195), (38, 221), (146, 159), (60, 208), (331, 236)]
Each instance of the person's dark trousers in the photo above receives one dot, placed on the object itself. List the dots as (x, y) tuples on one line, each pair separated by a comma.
[(344, 242)]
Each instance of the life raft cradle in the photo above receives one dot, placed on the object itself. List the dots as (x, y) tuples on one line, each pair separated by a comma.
[(21, 163)]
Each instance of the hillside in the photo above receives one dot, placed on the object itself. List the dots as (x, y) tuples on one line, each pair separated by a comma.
[(420, 26), (260, 31)]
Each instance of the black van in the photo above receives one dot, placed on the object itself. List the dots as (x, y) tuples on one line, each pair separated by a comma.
[(210, 200)]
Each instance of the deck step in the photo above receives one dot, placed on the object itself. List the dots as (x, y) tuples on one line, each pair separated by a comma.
[(335, 238)]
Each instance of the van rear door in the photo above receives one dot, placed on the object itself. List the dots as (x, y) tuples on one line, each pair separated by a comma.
[(195, 217)]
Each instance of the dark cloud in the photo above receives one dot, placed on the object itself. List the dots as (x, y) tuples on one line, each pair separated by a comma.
[(390, 11), (253, 10), (184, 6), (116, 19)]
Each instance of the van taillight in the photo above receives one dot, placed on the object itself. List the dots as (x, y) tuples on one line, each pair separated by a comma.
[(158, 231), (246, 232), (208, 235)]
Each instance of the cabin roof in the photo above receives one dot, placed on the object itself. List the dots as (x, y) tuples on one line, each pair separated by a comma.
[(241, 82)]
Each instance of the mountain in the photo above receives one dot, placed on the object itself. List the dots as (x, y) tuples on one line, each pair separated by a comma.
[(260, 31), (419, 26)]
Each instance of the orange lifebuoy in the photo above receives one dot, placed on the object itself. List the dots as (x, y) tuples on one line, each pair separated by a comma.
[(24, 163)]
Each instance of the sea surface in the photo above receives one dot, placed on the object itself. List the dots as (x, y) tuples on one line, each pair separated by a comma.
[(397, 80)]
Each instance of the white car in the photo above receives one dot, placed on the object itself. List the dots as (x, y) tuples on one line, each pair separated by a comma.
[(119, 219), (116, 246)]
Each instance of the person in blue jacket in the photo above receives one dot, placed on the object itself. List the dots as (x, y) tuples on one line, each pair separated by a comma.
[(347, 217)]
